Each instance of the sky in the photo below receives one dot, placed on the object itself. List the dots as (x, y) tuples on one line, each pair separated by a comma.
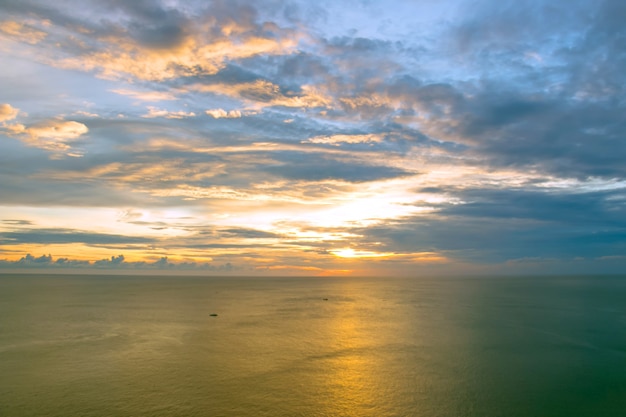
[(347, 137)]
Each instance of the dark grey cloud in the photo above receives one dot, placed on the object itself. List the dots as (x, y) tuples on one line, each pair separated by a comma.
[(154, 25), (568, 138), (317, 167), (231, 73), (73, 263), (17, 222), (54, 193), (43, 261), (199, 245), (368, 59), (300, 68), (485, 240), (500, 225), (245, 233), (602, 209), (116, 262), (506, 125), (60, 236)]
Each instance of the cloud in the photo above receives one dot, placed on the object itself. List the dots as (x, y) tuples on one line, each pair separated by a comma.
[(31, 260), (22, 31), (145, 95), (263, 93), (116, 262), (17, 222), (496, 225), (337, 140), (71, 263), (155, 112), (220, 113), (146, 171), (7, 112), (43, 261), (160, 42), (65, 236), (113, 262), (56, 136), (318, 167), (86, 114), (240, 232), (592, 208)]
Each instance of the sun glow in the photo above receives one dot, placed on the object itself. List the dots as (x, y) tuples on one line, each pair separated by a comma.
[(351, 253)]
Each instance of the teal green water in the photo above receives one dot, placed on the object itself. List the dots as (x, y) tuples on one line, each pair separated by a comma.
[(148, 346)]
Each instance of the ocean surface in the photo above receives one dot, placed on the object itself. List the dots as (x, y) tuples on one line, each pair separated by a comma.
[(152, 346)]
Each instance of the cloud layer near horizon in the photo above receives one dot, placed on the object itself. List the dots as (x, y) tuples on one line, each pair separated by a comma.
[(285, 137)]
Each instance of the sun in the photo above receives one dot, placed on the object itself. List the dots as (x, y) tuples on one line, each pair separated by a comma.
[(344, 253), (351, 253)]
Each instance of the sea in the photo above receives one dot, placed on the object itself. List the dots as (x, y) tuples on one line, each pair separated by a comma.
[(92, 345)]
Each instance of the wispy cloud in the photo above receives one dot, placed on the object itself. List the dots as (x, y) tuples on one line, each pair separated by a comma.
[(145, 95), (22, 31), (336, 140), (155, 112)]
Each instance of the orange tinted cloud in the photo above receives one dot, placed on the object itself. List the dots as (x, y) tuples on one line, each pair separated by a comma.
[(262, 93), (8, 112), (54, 135), (145, 95), (121, 56), (22, 32)]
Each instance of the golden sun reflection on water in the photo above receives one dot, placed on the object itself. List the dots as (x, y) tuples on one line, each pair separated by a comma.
[(354, 368)]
